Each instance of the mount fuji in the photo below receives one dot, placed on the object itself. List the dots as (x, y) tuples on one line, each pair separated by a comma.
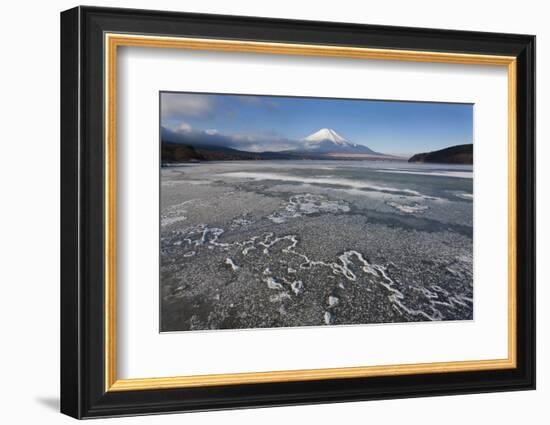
[(328, 141), (323, 144)]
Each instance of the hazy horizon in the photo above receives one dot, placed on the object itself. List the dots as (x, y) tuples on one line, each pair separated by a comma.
[(257, 123)]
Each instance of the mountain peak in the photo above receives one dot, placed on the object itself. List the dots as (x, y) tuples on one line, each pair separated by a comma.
[(326, 141), (327, 134)]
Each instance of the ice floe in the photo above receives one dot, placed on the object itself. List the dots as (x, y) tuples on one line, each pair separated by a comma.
[(279, 297), (464, 195), (231, 264), (297, 287), (240, 222), (273, 284), (307, 204), (408, 208)]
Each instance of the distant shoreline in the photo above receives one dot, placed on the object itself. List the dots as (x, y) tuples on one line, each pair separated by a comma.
[(175, 153)]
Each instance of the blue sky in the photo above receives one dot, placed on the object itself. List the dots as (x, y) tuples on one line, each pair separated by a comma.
[(391, 127)]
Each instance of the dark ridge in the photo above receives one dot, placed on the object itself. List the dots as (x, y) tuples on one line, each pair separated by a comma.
[(173, 153), (460, 154)]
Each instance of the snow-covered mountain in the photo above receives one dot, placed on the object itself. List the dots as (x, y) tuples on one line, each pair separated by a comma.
[(324, 143), (327, 134), (326, 140)]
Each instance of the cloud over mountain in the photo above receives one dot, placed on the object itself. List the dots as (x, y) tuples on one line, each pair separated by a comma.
[(250, 142), (325, 141)]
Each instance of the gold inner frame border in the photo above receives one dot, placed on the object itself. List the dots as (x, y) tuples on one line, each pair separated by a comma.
[(111, 43)]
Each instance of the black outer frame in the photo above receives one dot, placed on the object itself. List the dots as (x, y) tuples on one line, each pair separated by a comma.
[(82, 218)]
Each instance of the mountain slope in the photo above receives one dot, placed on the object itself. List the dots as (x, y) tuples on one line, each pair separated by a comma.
[(326, 141), (203, 146), (460, 154)]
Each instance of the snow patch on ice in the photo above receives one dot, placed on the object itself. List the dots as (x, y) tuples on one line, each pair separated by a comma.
[(332, 301), (297, 287), (279, 297), (464, 195), (350, 183), (307, 204), (273, 284), (437, 173), (231, 264), (408, 208)]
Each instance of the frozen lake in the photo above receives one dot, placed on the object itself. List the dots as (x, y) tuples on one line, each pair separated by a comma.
[(256, 244)]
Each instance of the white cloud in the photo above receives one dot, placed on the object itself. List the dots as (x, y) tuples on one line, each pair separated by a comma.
[(184, 104), (251, 142), (183, 126)]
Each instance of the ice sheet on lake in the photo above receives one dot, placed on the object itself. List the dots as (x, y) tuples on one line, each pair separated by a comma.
[(435, 173), (267, 250), (408, 208), (356, 184), (307, 204)]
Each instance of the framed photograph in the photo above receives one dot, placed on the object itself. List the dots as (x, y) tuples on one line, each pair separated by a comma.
[(261, 212)]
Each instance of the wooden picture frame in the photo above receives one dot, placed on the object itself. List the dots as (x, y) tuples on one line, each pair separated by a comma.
[(90, 39)]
